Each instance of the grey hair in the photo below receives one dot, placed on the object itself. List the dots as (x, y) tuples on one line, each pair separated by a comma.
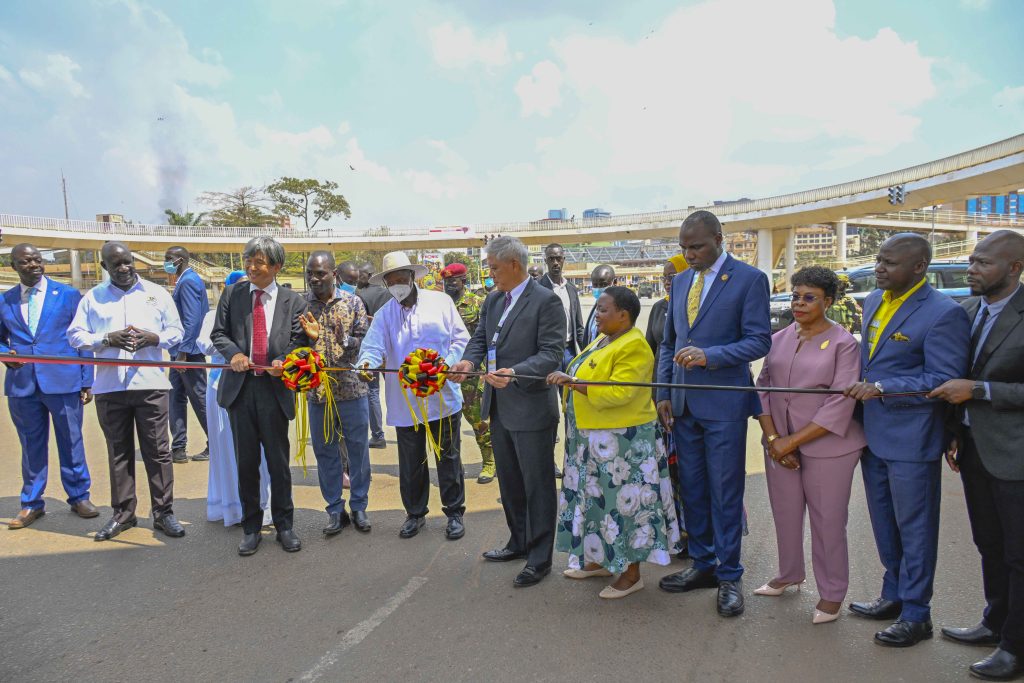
[(508, 249), (268, 246)]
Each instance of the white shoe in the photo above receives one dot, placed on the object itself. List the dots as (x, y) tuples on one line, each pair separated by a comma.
[(585, 573), (612, 593), (823, 617), (771, 591)]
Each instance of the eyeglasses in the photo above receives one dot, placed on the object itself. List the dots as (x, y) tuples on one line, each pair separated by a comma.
[(806, 298)]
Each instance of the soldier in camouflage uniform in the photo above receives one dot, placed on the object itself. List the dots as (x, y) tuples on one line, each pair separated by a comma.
[(845, 310), (454, 277)]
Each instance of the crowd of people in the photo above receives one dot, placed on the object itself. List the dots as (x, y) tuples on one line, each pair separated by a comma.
[(647, 473)]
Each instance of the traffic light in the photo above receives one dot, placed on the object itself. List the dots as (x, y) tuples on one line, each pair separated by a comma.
[(897, 194)]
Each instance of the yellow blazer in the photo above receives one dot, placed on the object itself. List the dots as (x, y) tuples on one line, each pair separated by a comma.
[(627, 359)]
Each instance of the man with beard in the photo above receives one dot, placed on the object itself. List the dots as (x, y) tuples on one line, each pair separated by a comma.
[(468, 305)]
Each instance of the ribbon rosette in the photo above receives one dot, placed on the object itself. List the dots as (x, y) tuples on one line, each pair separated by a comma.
[(304, 371), (423, 374)]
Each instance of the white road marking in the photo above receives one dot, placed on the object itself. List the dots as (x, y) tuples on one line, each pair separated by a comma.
[(357, 633)]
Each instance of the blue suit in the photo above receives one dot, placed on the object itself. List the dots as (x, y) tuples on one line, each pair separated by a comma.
[(733, 329), (189, 386), (37, 394), (925, 343)]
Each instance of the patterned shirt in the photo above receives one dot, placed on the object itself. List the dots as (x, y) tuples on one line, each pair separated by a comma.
[(343, 324), (469, 308)]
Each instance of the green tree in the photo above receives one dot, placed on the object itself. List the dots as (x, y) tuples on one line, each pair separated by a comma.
[(308, 199), (187, 219), (472, 265), (243, 207)]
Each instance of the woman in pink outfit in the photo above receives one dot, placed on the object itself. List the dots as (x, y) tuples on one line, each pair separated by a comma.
[(812, 441)]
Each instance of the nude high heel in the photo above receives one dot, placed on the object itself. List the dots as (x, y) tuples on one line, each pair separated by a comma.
[(770, 591), (821, 617)]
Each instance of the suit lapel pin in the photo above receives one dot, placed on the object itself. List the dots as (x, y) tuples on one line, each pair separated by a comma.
[(725, 277), (824, 344), (593, 365)]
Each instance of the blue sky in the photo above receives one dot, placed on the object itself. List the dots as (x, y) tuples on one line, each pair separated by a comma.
[(458, 112)]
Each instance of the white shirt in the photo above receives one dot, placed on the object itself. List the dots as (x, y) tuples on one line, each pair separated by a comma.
[(516, 293), (269, 304), (106, 308), (562, 291), (710, 274), (432, 323), (40, 288)]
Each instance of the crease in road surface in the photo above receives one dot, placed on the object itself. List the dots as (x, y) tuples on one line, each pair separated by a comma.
[(357, 633)]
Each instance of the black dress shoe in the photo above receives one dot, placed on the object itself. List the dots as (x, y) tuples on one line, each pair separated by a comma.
[(289, 541), (877, 609), (202, 457), (688, 580), (998, 666), (530, 576), (972, 635), (411, 527), (360, 521), (730, 598), (113, 528), (378, 443), (178, 456), (904, 633), (503, 555), (336, 521), (558, 472), (455, 529), (250, 544), (169, 525)]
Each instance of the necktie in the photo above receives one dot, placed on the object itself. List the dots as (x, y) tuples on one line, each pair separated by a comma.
[(508, 301), (259, 331), (976, 336), (33, 310), (693, 298)]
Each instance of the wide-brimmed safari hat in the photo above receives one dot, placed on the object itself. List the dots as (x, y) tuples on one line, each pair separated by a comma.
[(395, 261)]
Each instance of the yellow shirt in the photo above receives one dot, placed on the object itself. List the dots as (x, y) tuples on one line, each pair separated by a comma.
[(886, 310)]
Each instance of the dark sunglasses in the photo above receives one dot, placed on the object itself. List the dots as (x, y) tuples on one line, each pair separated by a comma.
[(807, 298)]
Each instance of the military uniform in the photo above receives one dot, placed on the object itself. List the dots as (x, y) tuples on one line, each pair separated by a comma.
[(845, 311), (473, 388)]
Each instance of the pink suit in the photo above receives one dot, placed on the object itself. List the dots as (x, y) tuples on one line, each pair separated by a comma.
[(831, 360)]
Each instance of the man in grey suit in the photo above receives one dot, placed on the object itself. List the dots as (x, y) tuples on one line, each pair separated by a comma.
[(522, 331), (257, 324), (989, 423)]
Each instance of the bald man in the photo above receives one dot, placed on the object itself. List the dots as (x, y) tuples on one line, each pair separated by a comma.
[(989, 426), (915, 339), (601, 278)]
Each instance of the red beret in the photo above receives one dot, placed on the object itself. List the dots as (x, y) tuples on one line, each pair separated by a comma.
[(454, 270)]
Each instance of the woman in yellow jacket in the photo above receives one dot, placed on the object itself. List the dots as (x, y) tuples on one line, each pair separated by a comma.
[(615, 509)]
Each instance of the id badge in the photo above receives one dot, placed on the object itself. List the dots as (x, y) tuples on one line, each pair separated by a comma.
[(492, 359)]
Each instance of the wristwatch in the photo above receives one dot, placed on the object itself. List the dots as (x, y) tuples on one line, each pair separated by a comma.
[(106, 340), (772, 437), (878, 385), (978, 392)]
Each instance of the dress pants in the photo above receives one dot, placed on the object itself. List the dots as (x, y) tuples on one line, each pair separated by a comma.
[(376, 416), (996, 510), (414, 474), (821, 487), (712, 459), (525, 463), (122, 414), (257, 420), (354, 424), (31, 416), (903, 503), (187, 387)]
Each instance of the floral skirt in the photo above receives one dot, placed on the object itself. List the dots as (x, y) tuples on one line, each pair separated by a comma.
[(616, 505)]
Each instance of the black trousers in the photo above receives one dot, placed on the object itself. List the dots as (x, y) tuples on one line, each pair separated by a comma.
[(996, 511), (525, 464), (188, 386), (414, 473), (257, 420), (122, 415)]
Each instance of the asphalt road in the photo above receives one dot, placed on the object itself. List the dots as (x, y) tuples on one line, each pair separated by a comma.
[(377, 607)]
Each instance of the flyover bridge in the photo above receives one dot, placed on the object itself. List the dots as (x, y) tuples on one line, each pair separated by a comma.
[(993, 169)]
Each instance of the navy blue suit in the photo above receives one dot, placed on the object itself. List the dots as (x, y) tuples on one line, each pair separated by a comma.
[(733, 329), (37, 394), (189, 386), (926, 343)]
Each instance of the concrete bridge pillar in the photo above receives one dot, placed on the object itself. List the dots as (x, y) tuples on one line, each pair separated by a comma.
[(765, 252), (76, 268), (216, 289), (790, 254), (972, 236), (841, 242)]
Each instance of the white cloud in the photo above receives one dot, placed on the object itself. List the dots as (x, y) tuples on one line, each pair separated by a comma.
[(539, 91), (5, 75), (55, 76), (356, 158), (1011, 96), (458, 47), (976, 5)]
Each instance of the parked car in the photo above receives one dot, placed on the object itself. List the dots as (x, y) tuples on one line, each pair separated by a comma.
[(645, 290)]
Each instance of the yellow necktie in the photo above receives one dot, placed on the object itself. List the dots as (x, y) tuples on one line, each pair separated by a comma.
[(693, 299)]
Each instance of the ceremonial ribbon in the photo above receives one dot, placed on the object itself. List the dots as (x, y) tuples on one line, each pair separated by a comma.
[(77, 360)]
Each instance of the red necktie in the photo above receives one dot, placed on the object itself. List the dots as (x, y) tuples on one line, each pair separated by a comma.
[(259, 331)]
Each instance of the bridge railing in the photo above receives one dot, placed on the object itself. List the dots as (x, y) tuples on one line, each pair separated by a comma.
[(952, 218)]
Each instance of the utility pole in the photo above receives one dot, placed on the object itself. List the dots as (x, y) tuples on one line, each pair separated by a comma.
[(74, 258)]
